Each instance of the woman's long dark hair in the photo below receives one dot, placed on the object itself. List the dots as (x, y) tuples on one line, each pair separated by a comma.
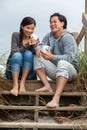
[(26, 21)]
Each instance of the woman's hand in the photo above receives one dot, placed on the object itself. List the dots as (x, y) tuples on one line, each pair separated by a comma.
[(33, 42)]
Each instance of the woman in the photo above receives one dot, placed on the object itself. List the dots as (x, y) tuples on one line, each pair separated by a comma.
[(20, 61)]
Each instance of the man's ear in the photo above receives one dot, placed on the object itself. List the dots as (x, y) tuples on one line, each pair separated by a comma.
[(62, 24)]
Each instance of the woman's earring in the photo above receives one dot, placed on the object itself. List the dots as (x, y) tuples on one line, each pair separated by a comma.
[(21, 27)]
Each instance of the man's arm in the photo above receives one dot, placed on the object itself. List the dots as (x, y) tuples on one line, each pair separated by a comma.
[(69, 47)]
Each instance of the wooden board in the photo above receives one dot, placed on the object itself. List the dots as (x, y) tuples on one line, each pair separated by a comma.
[(32, 85), (45, 125)]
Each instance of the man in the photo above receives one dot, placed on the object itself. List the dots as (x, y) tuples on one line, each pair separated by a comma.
[(60, 62)]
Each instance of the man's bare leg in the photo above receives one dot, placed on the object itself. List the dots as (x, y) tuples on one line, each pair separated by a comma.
[(41, 74), (60, 83), (14, 90), (23, 79)]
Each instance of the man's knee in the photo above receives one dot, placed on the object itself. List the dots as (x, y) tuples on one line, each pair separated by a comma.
[(65, 69), (38, 62), (62, 63), (62, 69)]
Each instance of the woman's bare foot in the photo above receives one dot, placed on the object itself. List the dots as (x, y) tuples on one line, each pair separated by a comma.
[(22, 88), (52, 104), (45, 89), (14, 91)]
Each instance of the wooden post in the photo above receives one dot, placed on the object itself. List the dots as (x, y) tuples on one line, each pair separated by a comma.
[(80, 36), (36, 112), (85, 6), (86, 31)]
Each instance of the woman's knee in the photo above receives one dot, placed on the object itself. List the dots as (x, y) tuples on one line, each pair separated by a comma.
[(28, 56), (16, 57)]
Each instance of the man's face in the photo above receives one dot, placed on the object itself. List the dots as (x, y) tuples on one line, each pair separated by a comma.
[(55, 24)]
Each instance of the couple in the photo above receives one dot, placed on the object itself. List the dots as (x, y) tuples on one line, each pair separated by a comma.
[(60, 63)]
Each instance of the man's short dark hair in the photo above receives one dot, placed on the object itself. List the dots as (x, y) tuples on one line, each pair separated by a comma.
[(61, 18)]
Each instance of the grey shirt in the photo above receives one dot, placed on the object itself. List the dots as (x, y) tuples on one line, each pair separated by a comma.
[(64, 49), (16, 45)]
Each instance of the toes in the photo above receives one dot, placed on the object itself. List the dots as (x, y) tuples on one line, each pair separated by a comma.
[(15, 93)]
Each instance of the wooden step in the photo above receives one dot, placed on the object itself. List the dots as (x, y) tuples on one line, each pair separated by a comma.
[(71, 91), (52, 126), (40, 98), (40, 108), (46, 93), (32, 85), (37, 109)]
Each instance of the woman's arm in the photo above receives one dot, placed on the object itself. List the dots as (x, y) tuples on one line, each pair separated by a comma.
[(15, 41)]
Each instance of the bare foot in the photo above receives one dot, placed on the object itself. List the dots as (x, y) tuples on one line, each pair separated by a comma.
[(72, 105), (52, 104), (14, 91), (45, 89), (22, 88)]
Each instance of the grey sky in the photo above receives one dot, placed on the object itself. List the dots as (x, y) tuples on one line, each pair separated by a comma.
[(13, 11)]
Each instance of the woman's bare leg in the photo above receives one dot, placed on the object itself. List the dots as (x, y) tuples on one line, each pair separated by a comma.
[(14, 90), (23, 79)]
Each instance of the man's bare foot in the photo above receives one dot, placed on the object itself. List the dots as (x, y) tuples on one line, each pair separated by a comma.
[(45, 89), (52, 104), (14, 91)]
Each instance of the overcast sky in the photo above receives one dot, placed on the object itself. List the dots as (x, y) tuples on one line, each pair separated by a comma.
[(13, 11)]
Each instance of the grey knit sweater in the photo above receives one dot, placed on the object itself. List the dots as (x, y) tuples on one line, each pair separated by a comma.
[(65, 49)]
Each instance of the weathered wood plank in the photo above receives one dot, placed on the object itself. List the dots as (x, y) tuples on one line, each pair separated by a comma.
[(65, 108), (45, 93), (32, 85), (84, 20), (45, 125), (36, 115), (80, 36), (86, 29), (33, 125), (85, 50), (86, 6), (75, 34)]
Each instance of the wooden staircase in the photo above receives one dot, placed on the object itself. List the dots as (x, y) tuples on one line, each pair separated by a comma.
[(33, 103)]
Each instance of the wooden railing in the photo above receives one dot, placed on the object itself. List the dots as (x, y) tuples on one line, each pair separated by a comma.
[(83, 32)]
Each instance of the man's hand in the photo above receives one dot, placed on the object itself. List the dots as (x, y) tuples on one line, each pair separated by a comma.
[(46, 55), (38, 52)]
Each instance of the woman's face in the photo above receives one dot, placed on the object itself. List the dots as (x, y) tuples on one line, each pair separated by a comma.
[(28, 29)]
